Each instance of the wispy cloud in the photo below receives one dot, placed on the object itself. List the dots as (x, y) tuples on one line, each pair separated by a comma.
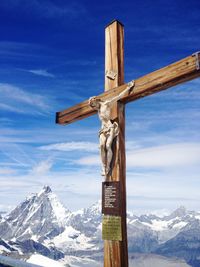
[(187, 91), (42, 167), (11, 108), (18, 100), (45, 135), (5, 171), (72, 146), (173, 155), (16, 93), (89, 161), (14, 158), (16, 154), (42, 72), (168, 156)]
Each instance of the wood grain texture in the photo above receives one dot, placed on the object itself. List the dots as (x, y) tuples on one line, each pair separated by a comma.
[(174, 74), (114, 55), (116, 252)]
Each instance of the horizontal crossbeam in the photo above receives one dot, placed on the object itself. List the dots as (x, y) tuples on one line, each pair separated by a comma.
[(174, 74)]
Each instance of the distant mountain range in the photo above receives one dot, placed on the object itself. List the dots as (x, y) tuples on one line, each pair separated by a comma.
[(42, 225)]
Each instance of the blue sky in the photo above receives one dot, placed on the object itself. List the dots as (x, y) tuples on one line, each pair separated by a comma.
[(52, 57)]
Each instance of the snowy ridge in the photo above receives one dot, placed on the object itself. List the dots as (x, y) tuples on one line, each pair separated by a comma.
[(72, 239), (42, 225), (58, 209), (44, 261)]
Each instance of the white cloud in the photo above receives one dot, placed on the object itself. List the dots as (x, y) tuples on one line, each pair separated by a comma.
[(42, 72), (89, 160), (18, 100), (7, 184), (42, 168), (72, 146), (43, 135), (11, 108), (172, 155), (6, 208), (17, 154), (6, 171), (84, 183)]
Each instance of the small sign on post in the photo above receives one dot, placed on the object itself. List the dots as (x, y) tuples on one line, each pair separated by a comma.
[(111, 209), (111, 228), (111, 198)]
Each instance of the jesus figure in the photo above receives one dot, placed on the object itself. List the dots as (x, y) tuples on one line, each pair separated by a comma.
[(109, 129)]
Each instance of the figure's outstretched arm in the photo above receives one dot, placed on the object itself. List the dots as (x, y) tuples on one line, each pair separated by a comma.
[(118, 97)]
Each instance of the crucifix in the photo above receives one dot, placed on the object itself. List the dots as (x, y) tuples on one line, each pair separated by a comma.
[(110, 107)]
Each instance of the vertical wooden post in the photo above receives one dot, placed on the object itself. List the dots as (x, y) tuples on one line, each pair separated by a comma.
[(116, 252)]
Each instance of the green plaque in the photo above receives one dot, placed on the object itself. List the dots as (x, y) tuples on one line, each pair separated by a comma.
[(111, 228)]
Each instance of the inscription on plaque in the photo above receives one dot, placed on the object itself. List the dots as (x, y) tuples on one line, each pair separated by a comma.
[(111, 228), (111, 198)]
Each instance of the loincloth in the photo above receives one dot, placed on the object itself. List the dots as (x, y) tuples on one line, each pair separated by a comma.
[(107, 130)]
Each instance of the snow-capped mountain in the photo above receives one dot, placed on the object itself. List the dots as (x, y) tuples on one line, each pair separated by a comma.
[(186, 244), (40, 216), (168, 226), (82, 232), (42, 225)]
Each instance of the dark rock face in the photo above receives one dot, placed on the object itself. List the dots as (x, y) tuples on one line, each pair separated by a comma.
[(185, 245), (6, 245), (30, 247), (141, 239)]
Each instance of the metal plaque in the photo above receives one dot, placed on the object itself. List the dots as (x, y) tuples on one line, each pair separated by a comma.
[(111, 228), (111, 198)]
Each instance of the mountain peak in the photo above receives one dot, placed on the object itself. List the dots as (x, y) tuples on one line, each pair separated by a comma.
[(179, 212), (47, 189), (40, 216)]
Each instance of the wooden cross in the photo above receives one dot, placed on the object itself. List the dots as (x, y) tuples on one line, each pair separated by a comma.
[(116, 252)]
